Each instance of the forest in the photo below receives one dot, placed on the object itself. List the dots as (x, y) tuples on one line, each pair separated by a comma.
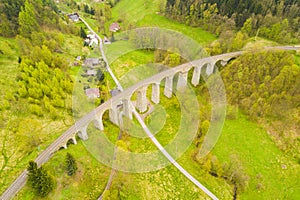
[(43, 78), (278, 20)]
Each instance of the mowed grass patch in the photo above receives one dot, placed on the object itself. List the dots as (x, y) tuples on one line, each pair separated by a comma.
[(197, 34), (273, 175), (134, 10), (165, 129), (146, 14), (123, 65)]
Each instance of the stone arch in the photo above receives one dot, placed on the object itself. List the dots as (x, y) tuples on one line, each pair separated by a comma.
[(113, 114), (141, 98), (82, 132), (62, 147), (98, 121), (127, 107), (72, 140), (182, 78), (196, 74), (155, 92), (210, 67), (168, 85)]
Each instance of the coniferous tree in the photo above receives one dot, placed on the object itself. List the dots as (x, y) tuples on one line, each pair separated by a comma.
[(82, 33), (32, 169), (100, 75), (86, 8), (92, 11), (40, 180), (71, 165)]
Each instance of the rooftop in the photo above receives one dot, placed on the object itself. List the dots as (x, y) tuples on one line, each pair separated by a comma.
[(92, 93), (74, 16), (91, 72), (92, 62), (114, 27)]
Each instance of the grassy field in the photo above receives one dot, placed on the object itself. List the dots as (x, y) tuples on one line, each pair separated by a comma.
[(136, 11), (124, 64), (146, 14), (198, 34), (273, 175)]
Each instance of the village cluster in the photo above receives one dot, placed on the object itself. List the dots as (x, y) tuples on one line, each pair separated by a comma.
[(92, 66)]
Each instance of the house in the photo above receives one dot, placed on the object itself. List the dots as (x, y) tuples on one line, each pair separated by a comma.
[(114, 27), (91, 72), (91, 62), (92, 93), (91, 39), (74, 17)]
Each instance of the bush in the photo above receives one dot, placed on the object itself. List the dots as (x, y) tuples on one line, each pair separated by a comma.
[(232, 112), (37, 110)]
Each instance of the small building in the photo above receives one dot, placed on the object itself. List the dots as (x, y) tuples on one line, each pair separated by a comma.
[(106, 41), (114, 27), (74, 17), (115, 92), (92, 93), (91, 72), (91, 36), (78, 58), (91, 39), (91, 62)]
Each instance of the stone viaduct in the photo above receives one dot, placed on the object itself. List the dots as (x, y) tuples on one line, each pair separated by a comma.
[(122, 100)]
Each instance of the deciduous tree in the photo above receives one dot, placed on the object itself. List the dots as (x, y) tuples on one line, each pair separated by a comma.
[(27, 20)]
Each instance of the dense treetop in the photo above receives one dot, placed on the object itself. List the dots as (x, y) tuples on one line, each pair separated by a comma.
[(271, 18), (20, 16)]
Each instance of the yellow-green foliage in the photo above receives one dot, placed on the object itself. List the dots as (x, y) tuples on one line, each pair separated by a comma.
[(47, 87), (264, 83)]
